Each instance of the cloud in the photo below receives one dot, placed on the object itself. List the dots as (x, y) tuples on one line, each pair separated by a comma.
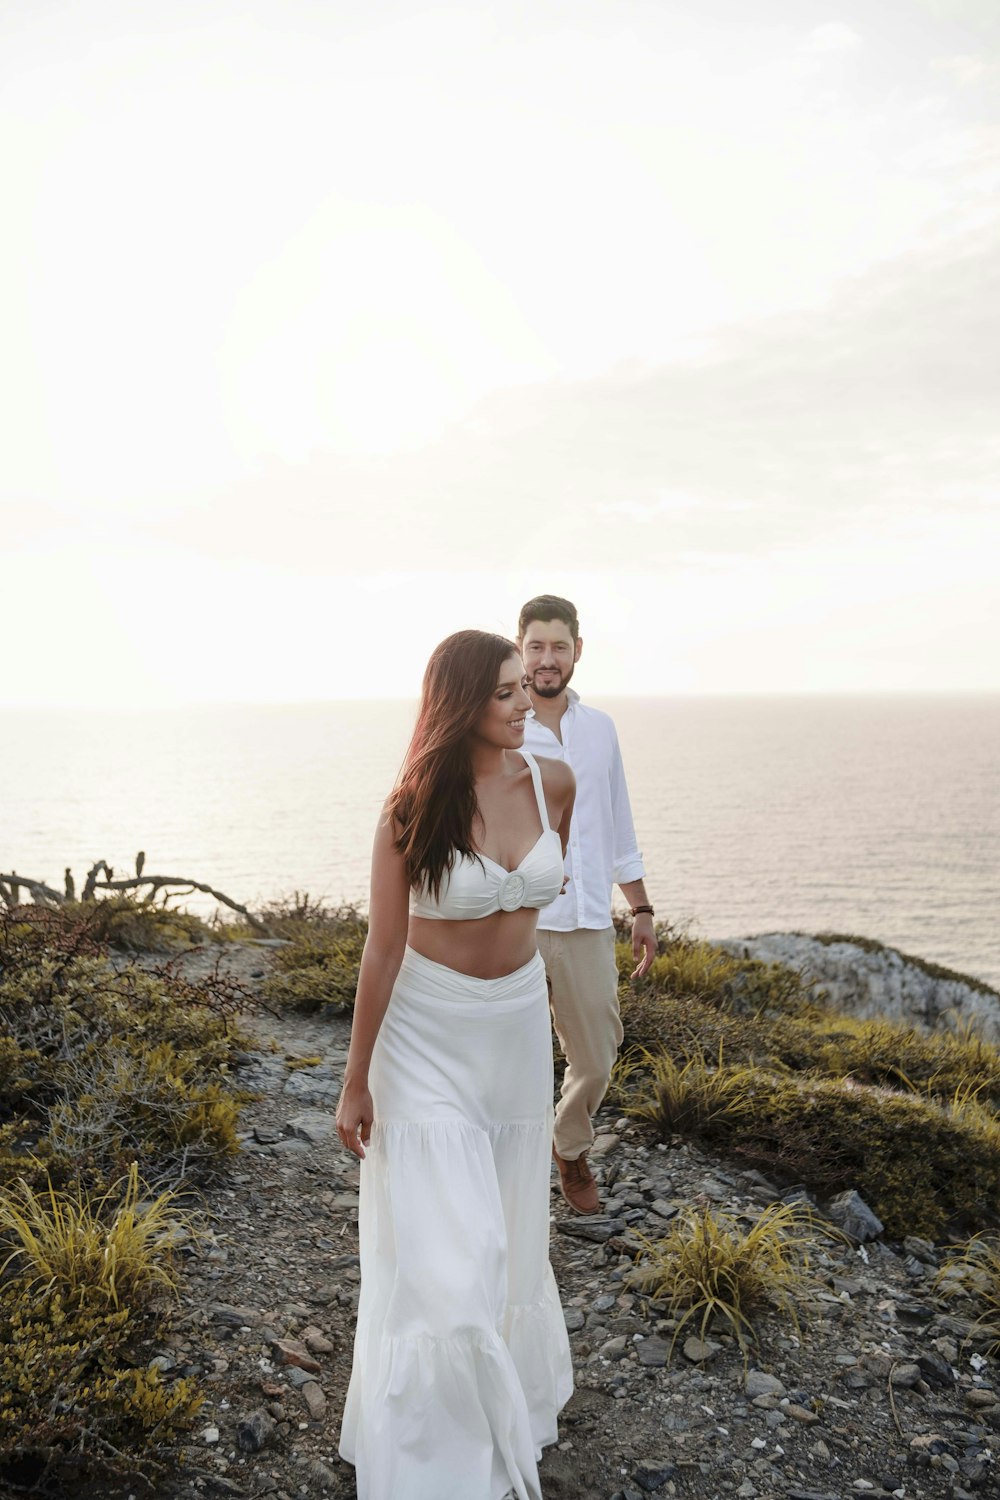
[(834, 36), (882, 404)]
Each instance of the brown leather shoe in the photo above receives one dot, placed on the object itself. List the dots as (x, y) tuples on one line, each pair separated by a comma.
[(578, 1185)]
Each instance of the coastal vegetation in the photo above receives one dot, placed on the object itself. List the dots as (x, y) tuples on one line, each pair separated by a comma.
[(317, 970), (744, 1056), (115, 1105)]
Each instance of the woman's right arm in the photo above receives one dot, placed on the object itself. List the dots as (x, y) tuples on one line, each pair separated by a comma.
[(388, 917)]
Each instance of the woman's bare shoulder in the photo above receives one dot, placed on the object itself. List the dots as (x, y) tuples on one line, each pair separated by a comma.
[(556, 774)]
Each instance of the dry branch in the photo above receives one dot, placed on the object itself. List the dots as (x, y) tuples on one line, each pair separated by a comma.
[(41, 894), (174, 885), (159, 882)]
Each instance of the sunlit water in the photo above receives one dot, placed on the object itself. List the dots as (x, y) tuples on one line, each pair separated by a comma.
[(864, 815)]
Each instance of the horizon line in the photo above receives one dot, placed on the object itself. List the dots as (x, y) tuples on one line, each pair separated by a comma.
[(771, 693)]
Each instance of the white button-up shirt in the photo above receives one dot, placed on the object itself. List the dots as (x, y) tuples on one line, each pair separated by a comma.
[(602, 848)]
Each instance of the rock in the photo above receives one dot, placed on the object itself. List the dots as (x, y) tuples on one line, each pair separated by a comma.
[(315, 1399), (316, 1341), (596, 1228), (574, 1319), (700, 1351), (878, 983), (653, 1352), (851, 1213), (615, 1348), (233, 1317), (210, 1435), (254, 1432), (291, 1148), (936, 1370), (603, 1145), (980, 1399), (305, 1085), (652, 1473), (802, 1414), (905, 1375), (920, 1249), (291, 1352), (759, 1384), (266, 1135), (662, 1209), (313, 1125)]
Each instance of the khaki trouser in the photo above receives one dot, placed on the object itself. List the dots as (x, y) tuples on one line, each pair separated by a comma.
[(583, 993)]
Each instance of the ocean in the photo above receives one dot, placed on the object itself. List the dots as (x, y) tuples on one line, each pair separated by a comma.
[(871, 815)]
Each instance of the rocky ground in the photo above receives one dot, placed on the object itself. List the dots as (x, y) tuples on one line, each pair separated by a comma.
[(884, 1391)]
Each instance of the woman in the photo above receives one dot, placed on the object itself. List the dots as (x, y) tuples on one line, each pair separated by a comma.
[(461, 1359)]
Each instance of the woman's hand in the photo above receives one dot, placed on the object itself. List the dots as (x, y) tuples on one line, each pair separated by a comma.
[(355, 1114)]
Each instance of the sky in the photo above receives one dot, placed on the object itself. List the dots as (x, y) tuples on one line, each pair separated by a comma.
[(329, 329)]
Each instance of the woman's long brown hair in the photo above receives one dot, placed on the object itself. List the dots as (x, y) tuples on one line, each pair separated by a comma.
[(434, 801)]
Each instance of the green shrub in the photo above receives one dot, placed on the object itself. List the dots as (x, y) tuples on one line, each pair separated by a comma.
[(73, 1401), (686, 1097), (320, 965), (95, 1250), (81, 1290)]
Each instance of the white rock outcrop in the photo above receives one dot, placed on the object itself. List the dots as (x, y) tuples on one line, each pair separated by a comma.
[(878, 983)]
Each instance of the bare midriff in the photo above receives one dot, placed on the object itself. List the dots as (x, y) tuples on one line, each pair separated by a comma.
[(483, 948)]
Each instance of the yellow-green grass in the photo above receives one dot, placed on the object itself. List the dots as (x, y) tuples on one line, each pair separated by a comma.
[(102, 1250), (697, 999), (712, 1269), (925, 1166)]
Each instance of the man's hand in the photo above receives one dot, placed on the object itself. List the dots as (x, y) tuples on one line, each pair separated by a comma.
[(644, 945)]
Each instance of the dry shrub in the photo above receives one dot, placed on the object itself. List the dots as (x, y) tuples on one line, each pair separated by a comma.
[(686, 1097)]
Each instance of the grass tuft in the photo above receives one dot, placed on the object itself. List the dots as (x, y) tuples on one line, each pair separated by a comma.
[(100, 1251), (710, 1269), (974, 1269)]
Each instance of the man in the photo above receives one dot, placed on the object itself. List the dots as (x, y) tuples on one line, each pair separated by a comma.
[(576, 937)]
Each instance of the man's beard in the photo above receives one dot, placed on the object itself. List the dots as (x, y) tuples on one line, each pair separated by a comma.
[(552, 690)]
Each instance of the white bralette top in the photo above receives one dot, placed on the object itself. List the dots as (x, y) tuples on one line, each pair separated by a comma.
[(477, 886)]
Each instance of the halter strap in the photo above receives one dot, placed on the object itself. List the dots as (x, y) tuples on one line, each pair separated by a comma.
[(536, 780)]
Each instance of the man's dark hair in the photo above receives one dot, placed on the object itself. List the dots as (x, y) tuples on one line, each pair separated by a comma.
[(549, 607)]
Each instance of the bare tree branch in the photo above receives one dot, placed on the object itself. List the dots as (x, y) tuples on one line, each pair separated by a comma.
[(157, 882), (88, 889), (172, 886), (41, 894)]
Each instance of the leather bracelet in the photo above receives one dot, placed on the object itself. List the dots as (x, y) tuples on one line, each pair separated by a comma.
[(635, 910)]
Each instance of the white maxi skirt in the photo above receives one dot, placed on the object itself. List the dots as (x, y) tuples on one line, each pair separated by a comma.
[(461, 1358)]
